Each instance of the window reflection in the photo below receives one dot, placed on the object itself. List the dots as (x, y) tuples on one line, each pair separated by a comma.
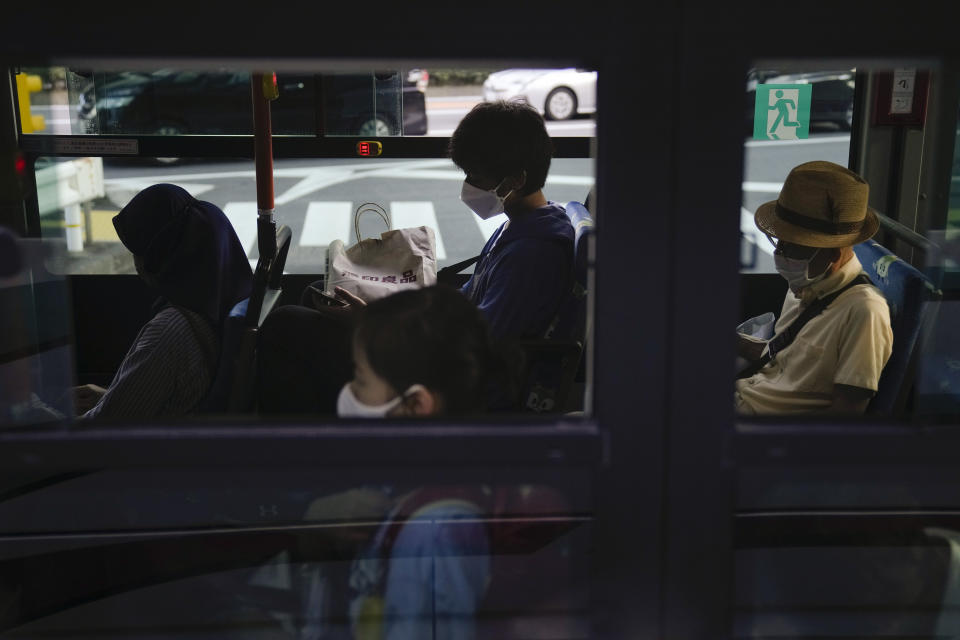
[(218, 554)]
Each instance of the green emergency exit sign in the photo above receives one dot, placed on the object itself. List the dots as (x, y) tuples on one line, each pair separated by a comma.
[(782, 112)]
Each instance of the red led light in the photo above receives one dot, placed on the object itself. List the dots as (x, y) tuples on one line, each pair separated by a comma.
[(369, 149), (20, 165)]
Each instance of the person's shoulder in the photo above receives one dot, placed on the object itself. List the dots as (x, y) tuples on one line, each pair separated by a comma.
[(863, 301), (172, 324), (551, 221)]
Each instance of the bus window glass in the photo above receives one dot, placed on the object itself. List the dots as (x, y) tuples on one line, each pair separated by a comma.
[(36, 357), (801, 252), (403, 102), (938, 383), (251, 552), (319, 199), (217, 102), (892, 581)]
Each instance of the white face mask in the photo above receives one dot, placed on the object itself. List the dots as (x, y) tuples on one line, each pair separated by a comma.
[(485, 204), (796, 271), (348, 406)]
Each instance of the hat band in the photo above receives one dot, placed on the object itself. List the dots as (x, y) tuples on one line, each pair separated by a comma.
[(823, 226)]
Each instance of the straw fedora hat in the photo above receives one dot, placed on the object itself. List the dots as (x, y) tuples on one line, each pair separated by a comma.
[(821, 204)]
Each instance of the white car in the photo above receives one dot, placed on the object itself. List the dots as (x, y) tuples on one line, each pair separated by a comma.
[(558, 94)]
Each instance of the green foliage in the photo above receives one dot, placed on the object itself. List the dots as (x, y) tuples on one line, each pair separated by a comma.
[(454, 77)]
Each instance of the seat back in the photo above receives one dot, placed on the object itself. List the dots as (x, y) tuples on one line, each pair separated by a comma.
[(235, 378), (570, 322), (913, 301), (552, 363)]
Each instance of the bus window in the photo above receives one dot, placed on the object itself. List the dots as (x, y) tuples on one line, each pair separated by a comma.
[(298, 551), (179, 102), (36, 355), (402, 102), (938, 378), (798, 117), (321, 181)]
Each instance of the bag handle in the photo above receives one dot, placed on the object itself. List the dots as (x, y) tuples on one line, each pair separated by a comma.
[(363, 208)]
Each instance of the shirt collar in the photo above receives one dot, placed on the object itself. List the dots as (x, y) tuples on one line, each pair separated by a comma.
[(834, 282)]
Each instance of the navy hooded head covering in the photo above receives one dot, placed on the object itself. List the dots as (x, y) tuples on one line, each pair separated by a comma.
[(188, 250)]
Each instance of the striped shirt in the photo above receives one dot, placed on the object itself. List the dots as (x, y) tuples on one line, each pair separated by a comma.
[(167, 371)]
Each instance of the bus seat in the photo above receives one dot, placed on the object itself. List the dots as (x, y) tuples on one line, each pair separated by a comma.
[(233, 384), (552, 362), (913, 301)]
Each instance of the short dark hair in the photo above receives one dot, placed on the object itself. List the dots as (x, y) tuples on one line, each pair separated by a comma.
[(500, 139), (432, 336)]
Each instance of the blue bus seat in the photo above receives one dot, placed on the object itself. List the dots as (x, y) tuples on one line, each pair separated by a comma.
[(552, 362), (218, 398), (913, 301), (233, 385)]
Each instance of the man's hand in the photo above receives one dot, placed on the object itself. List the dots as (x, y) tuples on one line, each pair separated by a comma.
[(86, 397), (350, 298), (750, 348)]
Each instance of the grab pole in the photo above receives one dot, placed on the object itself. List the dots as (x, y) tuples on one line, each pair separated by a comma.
[(264, 89)]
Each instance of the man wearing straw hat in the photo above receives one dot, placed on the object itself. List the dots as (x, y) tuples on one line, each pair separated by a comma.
[(833, 336)]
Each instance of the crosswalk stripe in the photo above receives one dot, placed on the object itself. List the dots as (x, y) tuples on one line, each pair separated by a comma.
[(243, 217), (417, 214), (487, 227), (326, 222)]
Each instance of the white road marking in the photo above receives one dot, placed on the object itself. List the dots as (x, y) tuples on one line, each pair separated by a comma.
[(316, 178), (243, 217), (783, 143), (120, 191), (435, 99), (749, 228), (762, 187), (316, 181), (326, 222), (487, 227), (418, 214)]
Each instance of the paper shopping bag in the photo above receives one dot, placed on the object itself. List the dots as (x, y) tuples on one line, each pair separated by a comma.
[(376, 267)]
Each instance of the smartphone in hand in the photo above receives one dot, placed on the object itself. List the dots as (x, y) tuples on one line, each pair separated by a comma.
[(324, 299)]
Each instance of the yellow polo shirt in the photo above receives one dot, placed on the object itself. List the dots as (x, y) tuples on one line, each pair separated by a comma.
[(848, 343)]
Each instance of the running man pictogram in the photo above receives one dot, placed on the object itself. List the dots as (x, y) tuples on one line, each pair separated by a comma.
[(782, 106)]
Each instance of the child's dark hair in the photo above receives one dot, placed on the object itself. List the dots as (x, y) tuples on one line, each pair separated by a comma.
[(432, 336), (500, 139)]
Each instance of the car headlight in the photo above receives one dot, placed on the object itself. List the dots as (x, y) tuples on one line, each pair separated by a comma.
[(114, 102)]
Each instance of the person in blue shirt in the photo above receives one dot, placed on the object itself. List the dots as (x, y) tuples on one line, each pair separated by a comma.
[(524, 269)]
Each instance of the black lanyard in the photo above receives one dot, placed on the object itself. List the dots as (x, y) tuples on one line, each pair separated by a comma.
[(783, 339)]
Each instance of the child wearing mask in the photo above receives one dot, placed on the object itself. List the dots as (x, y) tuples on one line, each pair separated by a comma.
[(422, 352), (425, 353)]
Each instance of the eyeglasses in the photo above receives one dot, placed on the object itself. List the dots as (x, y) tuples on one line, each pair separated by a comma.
[(790, 250)]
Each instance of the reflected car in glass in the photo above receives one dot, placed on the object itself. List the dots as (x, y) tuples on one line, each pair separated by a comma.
[(169, 102), (558, 94)]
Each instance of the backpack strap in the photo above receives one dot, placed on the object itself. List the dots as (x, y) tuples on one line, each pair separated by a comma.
[(456, 268), (785, 338)]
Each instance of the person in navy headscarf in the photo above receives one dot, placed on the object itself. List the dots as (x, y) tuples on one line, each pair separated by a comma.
[(187, 251)]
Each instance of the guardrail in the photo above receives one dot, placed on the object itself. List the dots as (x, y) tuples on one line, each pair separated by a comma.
[(69, 187)]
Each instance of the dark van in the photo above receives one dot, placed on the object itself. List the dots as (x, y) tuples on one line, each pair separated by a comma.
[(174, 102)]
